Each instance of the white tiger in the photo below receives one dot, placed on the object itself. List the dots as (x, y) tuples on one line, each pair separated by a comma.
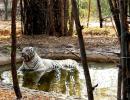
[(33, 62)]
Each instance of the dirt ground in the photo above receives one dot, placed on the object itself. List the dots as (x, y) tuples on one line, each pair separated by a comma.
[(102, 41), (95, 39), (7, 93)]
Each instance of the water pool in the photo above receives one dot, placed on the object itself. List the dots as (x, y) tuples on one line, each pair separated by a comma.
[(103, 74)]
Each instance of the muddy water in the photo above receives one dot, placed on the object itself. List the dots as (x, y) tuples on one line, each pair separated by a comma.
[(103, 74)]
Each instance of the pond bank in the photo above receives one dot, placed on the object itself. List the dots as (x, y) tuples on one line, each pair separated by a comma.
[(7, 93), (91, 56)]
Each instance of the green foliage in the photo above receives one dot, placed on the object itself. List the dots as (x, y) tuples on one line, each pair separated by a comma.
[(105, 8), (84, 6)]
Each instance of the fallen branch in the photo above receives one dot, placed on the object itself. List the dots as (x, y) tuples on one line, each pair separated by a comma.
[(74, 54)]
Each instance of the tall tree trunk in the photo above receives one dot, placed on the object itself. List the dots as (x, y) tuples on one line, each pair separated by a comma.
[(129, 7), (113, 7), (115, 13), (45, 17), (71, 22), (62, 16), (119, 83), (25, 18), (124, 47), (13, 51), (66, 16), (22, 16), (82, 50), (6, 9), (89, 10), (51, 17), (100, 13)]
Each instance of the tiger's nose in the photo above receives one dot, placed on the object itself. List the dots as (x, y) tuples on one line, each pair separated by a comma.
[(23, 54)]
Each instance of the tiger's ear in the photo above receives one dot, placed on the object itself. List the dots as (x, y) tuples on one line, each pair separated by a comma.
[(31, 48)]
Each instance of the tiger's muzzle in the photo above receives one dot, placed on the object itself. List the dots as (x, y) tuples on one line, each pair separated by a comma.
[(26, 57)]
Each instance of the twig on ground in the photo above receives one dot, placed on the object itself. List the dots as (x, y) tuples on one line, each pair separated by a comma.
[(73, 53)]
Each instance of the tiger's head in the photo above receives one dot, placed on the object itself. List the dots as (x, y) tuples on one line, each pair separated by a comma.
[(28, 54)]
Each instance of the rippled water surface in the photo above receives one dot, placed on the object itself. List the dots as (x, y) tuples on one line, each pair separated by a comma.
[(103, 74)]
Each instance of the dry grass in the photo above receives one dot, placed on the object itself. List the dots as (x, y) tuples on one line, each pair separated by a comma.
[(96, 31)]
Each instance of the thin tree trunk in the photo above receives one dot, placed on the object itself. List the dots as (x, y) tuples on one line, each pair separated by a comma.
[(129, 7), (51, 17), (124, 48), (119, 83), (66, 16), (13, 51), (62, 17), (100, 13), (21, 12), (6, 9), (89, 10), (126, 31), (82, 50), (25, 16), (115, 14), (71, 22)]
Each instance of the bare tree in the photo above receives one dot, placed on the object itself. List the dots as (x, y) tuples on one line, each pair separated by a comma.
[(13, 51), (82, 50)]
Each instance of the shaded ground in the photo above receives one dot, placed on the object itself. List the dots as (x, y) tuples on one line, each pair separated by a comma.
[(61, 44)]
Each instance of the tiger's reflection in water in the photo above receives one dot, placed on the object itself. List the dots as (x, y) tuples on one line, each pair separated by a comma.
[(49, 75)]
